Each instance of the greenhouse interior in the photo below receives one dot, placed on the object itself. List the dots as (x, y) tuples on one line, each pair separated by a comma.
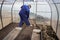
[(44, 17)]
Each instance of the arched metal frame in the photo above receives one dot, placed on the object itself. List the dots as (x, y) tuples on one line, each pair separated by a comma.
[(57, 21), (1, 12), (36, 12), (57, 16), (12, 11), (50, 9), (23, 2), (36, 8), (52, 15)]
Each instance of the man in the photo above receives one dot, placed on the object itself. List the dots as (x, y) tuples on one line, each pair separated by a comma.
[(24, 15)]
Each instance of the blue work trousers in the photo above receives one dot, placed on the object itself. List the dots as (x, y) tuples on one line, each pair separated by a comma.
[(24, 19)]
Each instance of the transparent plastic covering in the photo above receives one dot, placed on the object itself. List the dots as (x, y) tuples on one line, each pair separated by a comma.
[(6, 12), (43, 11), (54, 15), (57, 3), (16, 8), (9, 1), (38, 11), (55, 8), (47, 11)]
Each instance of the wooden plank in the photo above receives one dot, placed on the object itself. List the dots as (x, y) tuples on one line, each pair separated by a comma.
[(25, 34), (36, 34)]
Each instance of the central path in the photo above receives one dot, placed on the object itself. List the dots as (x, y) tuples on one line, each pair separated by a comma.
[(25, 34)]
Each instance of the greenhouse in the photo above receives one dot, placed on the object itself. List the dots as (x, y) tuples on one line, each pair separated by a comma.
[(44, 16)]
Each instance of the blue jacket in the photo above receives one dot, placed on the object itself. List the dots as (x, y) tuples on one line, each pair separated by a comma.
[(25, 10)]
